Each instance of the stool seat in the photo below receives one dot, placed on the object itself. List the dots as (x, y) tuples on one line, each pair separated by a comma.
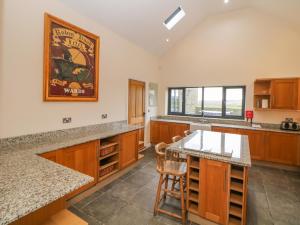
[(174, 168)]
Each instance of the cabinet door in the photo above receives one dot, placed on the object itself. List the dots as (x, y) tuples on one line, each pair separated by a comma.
[(154, 132), (50, 156), (177, 129), (283, 148), (82, 158), (257, 143), (164, 132), (214, 189), (284, 94), (129, 148)]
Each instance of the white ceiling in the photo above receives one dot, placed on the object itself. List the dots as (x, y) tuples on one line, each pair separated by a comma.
[(140, 21)]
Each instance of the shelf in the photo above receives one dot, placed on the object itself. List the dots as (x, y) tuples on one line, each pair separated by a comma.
[(193, 197), (111, 144), (109, 174), (236, 198), (194, 186), (235, 186), (108, 164), (193, 208), (238, 174), (194, 164), (194, 176), (235, 211), (234, 221), (108, 155)]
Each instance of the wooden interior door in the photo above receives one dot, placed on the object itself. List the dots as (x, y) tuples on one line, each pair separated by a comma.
[(284, 94), (136, 106), (214, 190)]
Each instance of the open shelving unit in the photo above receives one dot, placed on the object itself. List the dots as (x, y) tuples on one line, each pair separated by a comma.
[(193, 184), (262, 91), (109, 154), (238, 195)]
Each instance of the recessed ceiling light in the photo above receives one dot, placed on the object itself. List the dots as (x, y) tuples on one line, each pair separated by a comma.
[(226, 1), (167, 40), (174, 18)]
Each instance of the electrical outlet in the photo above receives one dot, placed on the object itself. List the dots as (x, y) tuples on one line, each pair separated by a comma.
[(67, 120), (104, 116)]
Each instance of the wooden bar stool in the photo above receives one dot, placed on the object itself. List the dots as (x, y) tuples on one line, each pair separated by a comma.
[(187, 132), (168, 168)]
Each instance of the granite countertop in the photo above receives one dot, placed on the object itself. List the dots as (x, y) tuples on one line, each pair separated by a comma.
[(229, 148), (238, 124), (29, 182)]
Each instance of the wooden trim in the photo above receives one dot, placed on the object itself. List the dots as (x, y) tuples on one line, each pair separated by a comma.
[(48, 19)]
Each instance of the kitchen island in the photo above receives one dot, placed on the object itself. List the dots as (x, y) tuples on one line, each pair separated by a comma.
[(217, 176)]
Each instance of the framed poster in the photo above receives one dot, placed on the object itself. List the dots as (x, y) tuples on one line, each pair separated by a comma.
[(71, 62)]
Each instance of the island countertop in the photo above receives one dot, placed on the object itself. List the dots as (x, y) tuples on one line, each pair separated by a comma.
[(229, 148), (29, 182)]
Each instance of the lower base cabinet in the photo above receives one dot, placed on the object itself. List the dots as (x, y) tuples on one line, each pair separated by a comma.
[(82, 158), (161, 131), (269, 146), (85, 158), (128, 148)]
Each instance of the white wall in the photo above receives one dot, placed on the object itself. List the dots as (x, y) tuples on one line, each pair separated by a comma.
[(22, 110), (234, 49)]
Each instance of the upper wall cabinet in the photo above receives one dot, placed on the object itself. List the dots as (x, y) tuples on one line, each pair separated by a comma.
[(277, 94)]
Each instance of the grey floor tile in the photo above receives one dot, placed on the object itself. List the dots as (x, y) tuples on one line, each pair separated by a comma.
[(124, 190), (139, 178), (105, 207)]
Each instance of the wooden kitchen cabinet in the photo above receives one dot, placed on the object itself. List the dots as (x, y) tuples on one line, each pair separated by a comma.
[(257, 143), (82, 158), (284, 94), (128, 148), (270, 146), (52, 156), (161, 131), (279, 93), (214, 190), (283, 148)]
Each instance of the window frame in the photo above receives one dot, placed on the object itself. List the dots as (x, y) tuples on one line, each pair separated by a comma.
[(223, 116)]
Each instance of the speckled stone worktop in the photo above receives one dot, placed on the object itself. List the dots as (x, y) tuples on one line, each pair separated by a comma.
[(29, 182), (215, 122), (229, 148)]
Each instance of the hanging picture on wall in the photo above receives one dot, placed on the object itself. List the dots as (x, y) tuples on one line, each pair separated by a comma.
[(71, 62)]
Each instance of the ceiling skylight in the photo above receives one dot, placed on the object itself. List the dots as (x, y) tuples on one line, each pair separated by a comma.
[(174, 18)]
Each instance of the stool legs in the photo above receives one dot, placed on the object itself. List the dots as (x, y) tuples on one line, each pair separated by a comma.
[(183, 209), (161, 178), (166, 186)]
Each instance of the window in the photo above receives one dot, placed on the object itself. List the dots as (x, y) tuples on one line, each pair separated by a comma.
[(193, 101), (176, 100), (223, 102), (213, 97)]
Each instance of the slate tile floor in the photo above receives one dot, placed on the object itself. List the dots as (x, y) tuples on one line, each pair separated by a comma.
[(273, 198)]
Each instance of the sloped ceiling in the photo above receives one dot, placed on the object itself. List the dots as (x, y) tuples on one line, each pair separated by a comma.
[(140, 21)]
